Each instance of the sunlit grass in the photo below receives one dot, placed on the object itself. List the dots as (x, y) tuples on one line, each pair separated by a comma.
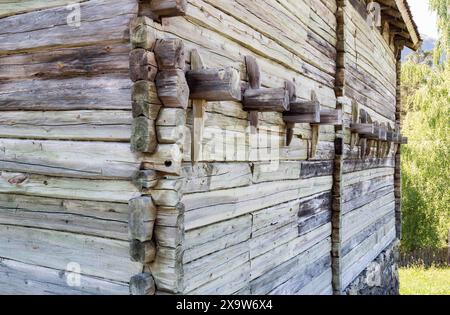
[(425, 281)]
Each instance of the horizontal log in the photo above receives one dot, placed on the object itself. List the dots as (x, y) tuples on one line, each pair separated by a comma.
[(363, 129), (173, 89), (170, 54), (110, 91), (331, 117), (266, 100), (206, 208), (95, 125), (303, 112), (92, 60), (143, 65), (102, 219), (17, 278), (215, 84), (391, 136), (79, 159), (98, 257), (100, 22), (142, 219)]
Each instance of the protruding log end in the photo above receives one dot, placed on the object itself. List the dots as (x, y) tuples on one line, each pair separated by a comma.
[(142, 252), (168, 8), (166, 159), (142, 35), (266, 100), (144, 100), (215, 84), (173, 89), (170, 54), (365, 130), (142, 284), (331, 117), (142, 65), (141, 219), (143, 135), (303, 112), (403, 140), (146, 179)]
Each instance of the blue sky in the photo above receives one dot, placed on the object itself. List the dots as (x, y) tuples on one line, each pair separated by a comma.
[(426, 21)]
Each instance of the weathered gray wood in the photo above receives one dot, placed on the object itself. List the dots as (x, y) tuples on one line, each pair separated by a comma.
[(171, 117), (143, 65), (168, 8), (100, 21), (301, 279), (62, 62), (104, 125), (303, 112), (170, 54), (142, 219), (110, 91), (82, 159), (363, 129), (331, 117), (167, 159), (173, 89), (201, 271), (198, 111), (142, 284), (142, 35), (98, 257), (146, 179), (17, 278), (142, 252), (144, 100), (266, 100), (215, 84), (102, 219), (172, 135), (312, 169), (143, 135)]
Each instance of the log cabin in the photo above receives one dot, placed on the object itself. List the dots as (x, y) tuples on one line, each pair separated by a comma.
[(201, 146)]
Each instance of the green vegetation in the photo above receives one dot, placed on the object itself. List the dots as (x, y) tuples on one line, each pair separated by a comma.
[(425, 281), (441, 7), (425, 160)]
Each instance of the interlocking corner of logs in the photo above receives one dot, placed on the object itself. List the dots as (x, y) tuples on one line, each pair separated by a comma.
[(156, 66)]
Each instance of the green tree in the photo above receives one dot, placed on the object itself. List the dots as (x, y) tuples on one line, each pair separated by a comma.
[(442, 9), (425, 160)]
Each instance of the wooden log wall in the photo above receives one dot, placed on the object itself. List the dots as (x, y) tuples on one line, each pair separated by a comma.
[(100, 133), (367, 211), (228, 223), (66, 164)]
